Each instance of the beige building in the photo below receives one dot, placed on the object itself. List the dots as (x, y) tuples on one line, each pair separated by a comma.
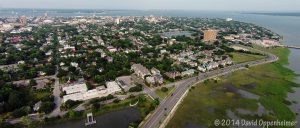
[(210, 35)]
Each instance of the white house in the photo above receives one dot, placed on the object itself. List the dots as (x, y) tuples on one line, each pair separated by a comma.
[(202, 69), (74, 64), (155, 71), (37, 106), (158, 78), (212, 65), (150, 80)]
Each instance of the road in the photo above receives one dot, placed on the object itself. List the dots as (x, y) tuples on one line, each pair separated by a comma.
[(57, 98), (147, 90), (166, 106)]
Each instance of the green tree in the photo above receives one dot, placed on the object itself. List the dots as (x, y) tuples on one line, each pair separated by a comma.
[(73, 114), (32, 82), (14, 100), (47, 107), (164, 89), (21, 112), (136, 88)]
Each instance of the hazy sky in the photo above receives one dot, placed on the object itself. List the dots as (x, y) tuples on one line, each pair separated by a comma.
[(235, 5)]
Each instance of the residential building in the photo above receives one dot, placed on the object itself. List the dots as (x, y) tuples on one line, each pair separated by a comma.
[(201, 68), (188, 72), (74, 64), (37, 106), (172, 74), (109, 59), (150, 80), (140, 70), (158, 78), (112, 49), (171, 41), (155, 71), (212, 65), (163, 51)]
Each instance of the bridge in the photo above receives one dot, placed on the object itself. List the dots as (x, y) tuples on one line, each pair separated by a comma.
[(294, 47), (290, 46)]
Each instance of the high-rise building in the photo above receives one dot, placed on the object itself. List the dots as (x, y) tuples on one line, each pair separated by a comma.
[(23, 20), (210, 35)]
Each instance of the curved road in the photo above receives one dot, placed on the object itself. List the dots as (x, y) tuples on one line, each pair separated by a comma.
[(167, 105)]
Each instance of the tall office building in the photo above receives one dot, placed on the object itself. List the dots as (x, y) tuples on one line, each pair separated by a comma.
[(210, 35), (23, 20)]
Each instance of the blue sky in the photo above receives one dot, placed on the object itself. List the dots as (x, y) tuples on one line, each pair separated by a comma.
[(231, 5)]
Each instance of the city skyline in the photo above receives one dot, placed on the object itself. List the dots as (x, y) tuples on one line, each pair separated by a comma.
[(217, 5)]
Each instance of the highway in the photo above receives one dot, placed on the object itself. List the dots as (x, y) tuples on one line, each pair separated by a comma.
[(157, 118)]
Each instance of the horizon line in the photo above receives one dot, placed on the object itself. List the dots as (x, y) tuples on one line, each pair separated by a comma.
[(110, 9)]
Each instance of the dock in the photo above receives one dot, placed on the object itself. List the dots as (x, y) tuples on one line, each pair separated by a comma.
[(90, 119)]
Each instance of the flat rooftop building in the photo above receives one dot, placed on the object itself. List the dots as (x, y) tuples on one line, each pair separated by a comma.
[(80, 87), (75, 97), (82, 93), (113, 87), (94, 94), (125, 82)]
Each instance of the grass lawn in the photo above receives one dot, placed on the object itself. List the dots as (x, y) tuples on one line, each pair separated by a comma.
[(162, 94), (210, 101), (243, 57), (40, 95), (145, 105)]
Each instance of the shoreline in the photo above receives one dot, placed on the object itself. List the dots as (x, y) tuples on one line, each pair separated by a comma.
[(284, 54)]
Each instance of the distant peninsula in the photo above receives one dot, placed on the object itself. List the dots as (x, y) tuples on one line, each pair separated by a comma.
[(297, 14)]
